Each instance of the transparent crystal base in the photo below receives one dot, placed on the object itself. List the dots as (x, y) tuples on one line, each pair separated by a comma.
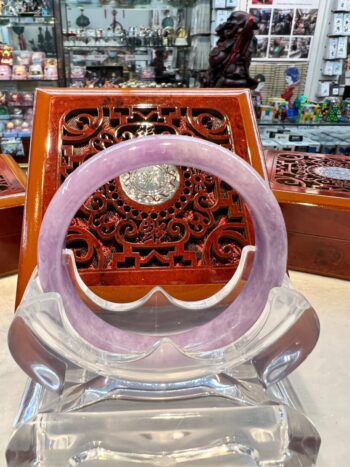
[(170, 406), (218, 420)]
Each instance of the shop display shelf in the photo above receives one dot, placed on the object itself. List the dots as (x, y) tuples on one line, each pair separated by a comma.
[(26, 21), (132, 5), (124, 46), (296, 124), (27, 80)]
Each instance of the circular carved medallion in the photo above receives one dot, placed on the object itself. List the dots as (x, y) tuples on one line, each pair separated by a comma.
[(336, 173), (151, 185)]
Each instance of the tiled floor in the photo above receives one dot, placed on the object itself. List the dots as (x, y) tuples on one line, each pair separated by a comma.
[(322, 381)]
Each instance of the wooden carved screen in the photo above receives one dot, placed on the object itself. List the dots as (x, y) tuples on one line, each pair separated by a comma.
[(315, 179), (12, 183), (191, 232)]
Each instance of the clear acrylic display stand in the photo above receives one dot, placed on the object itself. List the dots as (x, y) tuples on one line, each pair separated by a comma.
[(247, 414), (160, 381)]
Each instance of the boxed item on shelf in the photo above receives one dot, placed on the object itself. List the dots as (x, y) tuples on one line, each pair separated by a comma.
[(19, 72), (342, 47), (6, 54), (341, 5), (35, 72), (267, 113), (323, 88), (4, 113), (22, 57), (38, 58), (337, 23), (5, 72), (77, 72), (332, 48), (50, 69), (328, 68), (346, 24), (16, 111)]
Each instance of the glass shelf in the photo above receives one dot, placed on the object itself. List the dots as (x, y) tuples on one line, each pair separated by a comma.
[(27, 81), (125, 46), (9, 21), (310, 125), (130, 4)]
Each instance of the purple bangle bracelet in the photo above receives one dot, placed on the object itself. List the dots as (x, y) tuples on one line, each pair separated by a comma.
[(271, 241)]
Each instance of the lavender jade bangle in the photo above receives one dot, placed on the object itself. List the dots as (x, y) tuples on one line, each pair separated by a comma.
[(271, 243)]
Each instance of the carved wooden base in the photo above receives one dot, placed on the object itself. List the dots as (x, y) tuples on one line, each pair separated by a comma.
[(314, 194)]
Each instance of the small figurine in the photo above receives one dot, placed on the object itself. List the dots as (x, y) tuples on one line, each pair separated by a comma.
[(256, 94), (3, 98), (279, 106), (19, 30), (168, 20), (293, 80), (334, 113), (230, 59), (116, 25), (158, 63), (181, 36), (267, 113), (82, 21)]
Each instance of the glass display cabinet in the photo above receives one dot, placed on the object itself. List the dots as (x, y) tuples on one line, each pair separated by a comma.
[(29, 51), (130, 42)]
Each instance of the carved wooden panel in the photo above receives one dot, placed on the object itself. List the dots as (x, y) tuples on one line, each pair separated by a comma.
[(9, 183), (204, 224), (193, 234), (314, 192), (311, 173)]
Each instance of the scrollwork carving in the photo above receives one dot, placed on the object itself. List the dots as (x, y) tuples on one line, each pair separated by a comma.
[(202, 224), (312, 172)]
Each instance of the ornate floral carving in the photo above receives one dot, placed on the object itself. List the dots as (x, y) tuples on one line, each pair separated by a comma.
[(203, 224)]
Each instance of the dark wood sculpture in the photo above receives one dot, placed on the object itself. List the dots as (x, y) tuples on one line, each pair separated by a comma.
[(123, 247), (12, 194), (314, 194), (230, 59)]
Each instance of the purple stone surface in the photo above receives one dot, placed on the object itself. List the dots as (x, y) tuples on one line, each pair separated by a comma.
[(271, 241)]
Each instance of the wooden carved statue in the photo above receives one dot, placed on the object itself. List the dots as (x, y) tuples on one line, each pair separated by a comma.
[(230, 59)]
